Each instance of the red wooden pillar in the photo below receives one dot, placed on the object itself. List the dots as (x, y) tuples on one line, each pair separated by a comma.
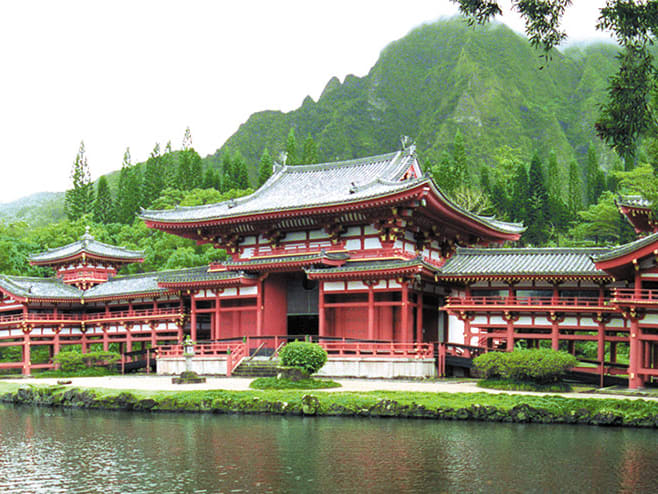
[(106, 343), (192, 317), (84, 344), (555, 332), (26, 352), (322, 321), (259, 308), (634, 355), (154, 334), (129, 340), (214, 332), (405, 312), (371, 311), (510, 334), (419, 318)]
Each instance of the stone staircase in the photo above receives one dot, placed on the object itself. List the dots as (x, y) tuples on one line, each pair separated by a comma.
[(257, 368)]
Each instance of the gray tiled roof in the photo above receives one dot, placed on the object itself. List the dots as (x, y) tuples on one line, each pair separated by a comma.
[(633, 201), (53, 288), (88, 245), (310, 258), (383, 265), (200, 274), (31, 287), (626, 248), (126, 285), (326, 184), (519, 261)]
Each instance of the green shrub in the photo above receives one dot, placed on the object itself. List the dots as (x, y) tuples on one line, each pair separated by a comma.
[(309, 356), (74, 361), (540, 366), (274, 383), (69, 361), (489, 365)]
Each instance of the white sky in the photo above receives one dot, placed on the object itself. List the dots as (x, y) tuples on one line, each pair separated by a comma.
[(132, 73)]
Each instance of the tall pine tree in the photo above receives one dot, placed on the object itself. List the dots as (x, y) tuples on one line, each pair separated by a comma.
[(103, 205), (310, 152), (537, 216), (265, 167), (594, 179), (128, 194), (574, 189), (291, 148), (460, 161), (154, 178), (79, 200)]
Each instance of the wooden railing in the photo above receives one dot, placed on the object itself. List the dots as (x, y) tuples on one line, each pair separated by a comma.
[(368, 349), (502, 300), (233, 352), (632, 295), (91, 317)]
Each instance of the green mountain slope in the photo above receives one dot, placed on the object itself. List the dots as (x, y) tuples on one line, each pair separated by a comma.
[(485, 81)]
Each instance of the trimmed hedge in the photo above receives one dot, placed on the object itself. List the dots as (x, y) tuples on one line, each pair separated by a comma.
[(541, 366), (308, 356)]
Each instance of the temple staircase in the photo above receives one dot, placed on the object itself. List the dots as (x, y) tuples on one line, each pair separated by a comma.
[(262, 367)]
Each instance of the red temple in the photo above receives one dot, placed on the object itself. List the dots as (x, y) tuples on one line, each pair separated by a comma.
[(367, 257)]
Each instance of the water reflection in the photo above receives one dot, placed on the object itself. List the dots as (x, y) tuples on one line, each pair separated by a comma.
[(46, 450)]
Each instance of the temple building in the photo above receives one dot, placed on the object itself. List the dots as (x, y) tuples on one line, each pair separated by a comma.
[(366, 256)]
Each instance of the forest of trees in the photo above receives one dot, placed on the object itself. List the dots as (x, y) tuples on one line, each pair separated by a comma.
[(558, 209), (168, 178)]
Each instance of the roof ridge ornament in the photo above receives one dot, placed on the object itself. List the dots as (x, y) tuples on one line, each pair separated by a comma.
[(87, 237)]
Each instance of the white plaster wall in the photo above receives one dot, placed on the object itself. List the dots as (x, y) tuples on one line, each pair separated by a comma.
[(479, 320), (455, 330), (333, 286), (356, 285), (249, 290), (650, 319), (378, 367), (615, 323), (200, 365), (353, 244), (372, 243), (315, 234), (229, 292)]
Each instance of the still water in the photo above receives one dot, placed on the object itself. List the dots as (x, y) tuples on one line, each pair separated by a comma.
[(46, 450)]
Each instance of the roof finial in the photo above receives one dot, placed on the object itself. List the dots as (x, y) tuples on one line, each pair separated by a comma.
[(87, 237), (407, 143)]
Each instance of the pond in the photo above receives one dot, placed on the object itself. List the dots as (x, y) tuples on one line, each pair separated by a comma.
[(52, 450)]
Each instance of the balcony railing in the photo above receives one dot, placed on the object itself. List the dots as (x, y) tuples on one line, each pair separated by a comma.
[(520, 302), (91, 317), (632, 295)]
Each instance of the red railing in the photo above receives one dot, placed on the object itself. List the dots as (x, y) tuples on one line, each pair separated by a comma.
[(90, 317), (370, 349), (502, 300), (233, 352), (632, 295)]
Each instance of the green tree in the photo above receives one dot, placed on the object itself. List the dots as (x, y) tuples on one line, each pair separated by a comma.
[(602, 223), (211, 179), (310, 152), (168, 167), (537, 215), (574, 189), (443, 174), (594, 175), (240, 173), (520, 194), (103, 205), (265, 167), (79, 199), (460, 164), (228, 174), (291, 148), (154, 177), (128, 194)]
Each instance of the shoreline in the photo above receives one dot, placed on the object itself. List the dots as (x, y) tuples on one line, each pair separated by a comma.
[(479, 405)]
